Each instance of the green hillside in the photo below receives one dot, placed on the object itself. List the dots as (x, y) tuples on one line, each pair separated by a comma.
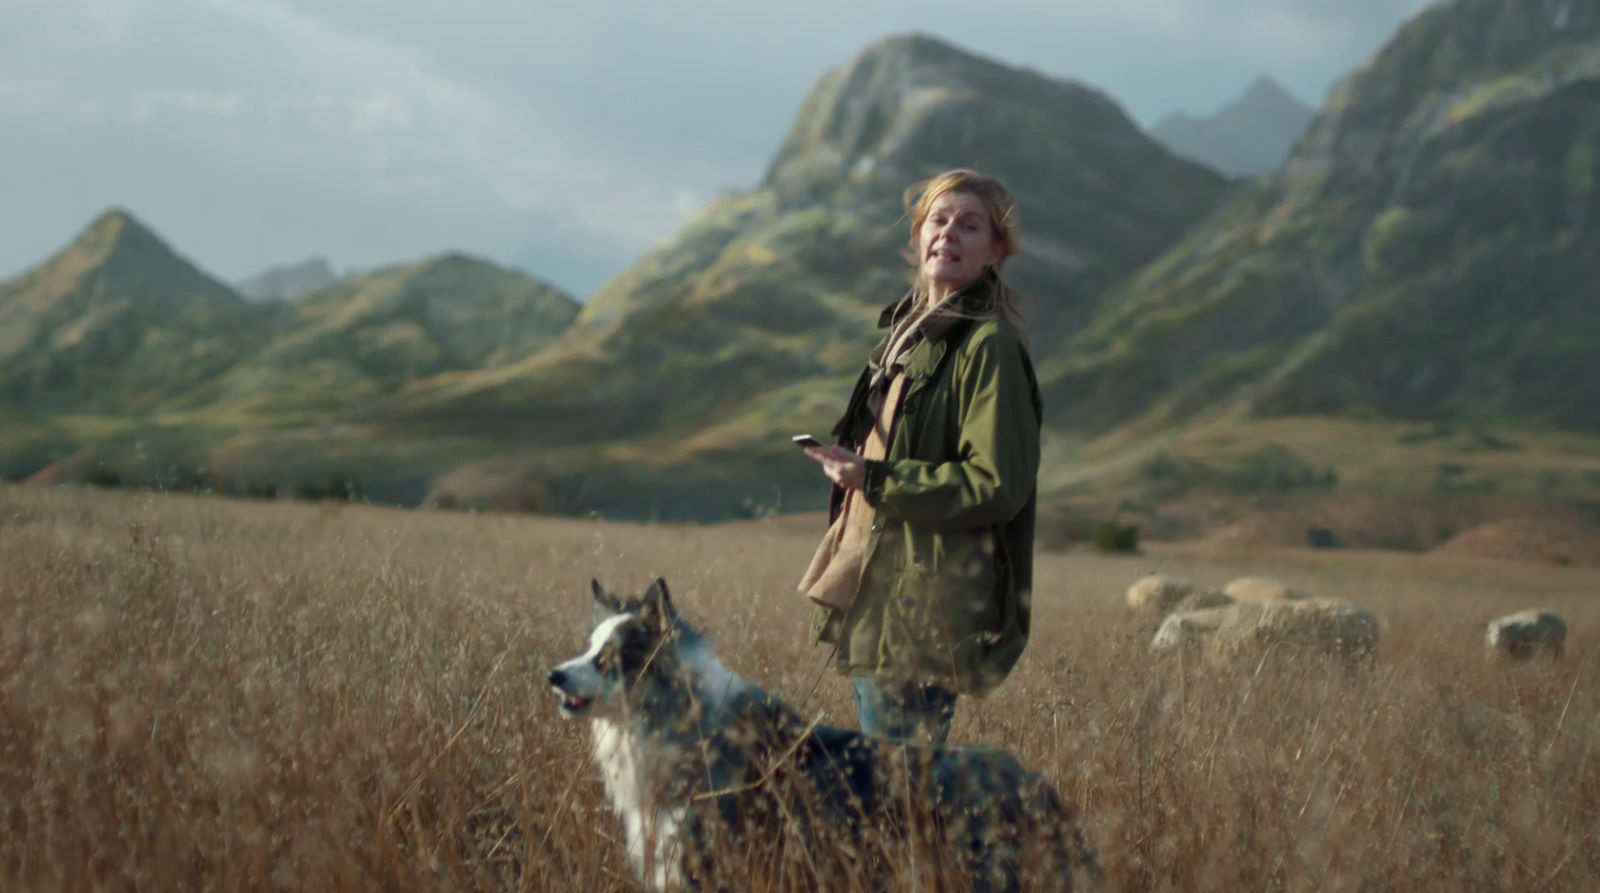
[(121, 360), (367, 337), (1427, 253), (118, 323)]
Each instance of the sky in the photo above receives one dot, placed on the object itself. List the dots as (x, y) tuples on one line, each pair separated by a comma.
[(565, 139)]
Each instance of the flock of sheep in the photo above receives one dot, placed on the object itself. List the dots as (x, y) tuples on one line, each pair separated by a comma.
[(1254, 616)]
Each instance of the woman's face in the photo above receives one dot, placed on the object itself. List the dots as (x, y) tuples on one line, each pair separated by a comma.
[(956, 240)]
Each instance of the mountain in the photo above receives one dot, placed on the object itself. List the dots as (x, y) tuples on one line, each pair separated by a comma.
[(120, 358), (684, 374), (1096, 196), (1427, 254), (288, 282), (370, 335), (1249, 136), (117, 321)]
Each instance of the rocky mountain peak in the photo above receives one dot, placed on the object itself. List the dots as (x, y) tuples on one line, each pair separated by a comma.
[(1251, 135), (1265, 92), (118, 256), (117, 233), (911, 102)]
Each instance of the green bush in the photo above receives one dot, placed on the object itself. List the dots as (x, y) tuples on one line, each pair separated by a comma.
[(189, 480), (339, 486), (1116, 538), (103, 476), (1274, 468)]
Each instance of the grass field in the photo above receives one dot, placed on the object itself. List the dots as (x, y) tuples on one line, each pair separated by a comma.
[(198, 693)]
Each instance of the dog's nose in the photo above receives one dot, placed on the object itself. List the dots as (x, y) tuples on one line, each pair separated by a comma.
[(556, 678)]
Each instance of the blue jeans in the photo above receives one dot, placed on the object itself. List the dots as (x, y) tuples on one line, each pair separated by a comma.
[(901, 711)]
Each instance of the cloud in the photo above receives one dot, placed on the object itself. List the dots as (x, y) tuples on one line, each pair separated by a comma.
[(259, 86), (571, 137)]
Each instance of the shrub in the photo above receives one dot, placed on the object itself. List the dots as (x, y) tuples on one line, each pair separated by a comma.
[(1275, 468), (336, 485), (1115, 537), (1322, 538), (190, 480), (103, 475)]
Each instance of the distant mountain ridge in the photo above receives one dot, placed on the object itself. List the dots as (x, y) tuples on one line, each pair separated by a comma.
[(1249, 136), (289, 281)]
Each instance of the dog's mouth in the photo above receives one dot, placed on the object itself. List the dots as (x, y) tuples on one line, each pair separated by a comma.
[(572, 705)]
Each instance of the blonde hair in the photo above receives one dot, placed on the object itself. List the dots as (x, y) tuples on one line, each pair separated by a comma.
[(1004, 223)]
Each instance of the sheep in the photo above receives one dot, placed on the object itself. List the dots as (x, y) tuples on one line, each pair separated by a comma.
[(1261, 589), (1160, 595), (1248, 630), (1527, 634)]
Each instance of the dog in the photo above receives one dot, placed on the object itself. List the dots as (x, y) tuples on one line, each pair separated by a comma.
[(716, 781)]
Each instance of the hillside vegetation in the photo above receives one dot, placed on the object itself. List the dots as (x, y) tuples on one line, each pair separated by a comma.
[(369, 336), (120, 358), (1427, 253)]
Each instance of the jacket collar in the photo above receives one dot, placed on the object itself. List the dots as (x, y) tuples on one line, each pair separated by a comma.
[(976, 298)]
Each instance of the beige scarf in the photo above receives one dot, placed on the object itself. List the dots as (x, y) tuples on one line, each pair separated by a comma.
[(835, 571)]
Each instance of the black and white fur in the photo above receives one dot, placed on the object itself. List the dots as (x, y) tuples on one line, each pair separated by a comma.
[(700, 762)]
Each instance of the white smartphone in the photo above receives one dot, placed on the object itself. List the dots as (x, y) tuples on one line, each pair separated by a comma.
[(806, 440)]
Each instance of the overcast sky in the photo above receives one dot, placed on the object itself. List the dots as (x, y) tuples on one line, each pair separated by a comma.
[(563, 138)]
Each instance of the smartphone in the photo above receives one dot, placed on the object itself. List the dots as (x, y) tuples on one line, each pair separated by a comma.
[(806, 440)]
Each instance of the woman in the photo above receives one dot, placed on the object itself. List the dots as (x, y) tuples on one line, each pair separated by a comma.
[(923, 580)]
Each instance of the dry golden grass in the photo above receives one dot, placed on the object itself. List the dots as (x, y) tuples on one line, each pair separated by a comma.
[(205, 694)]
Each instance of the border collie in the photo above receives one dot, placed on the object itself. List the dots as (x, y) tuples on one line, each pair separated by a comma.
[(721, 785)]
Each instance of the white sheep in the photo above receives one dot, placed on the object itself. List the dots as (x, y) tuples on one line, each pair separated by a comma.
[(1249, 630)]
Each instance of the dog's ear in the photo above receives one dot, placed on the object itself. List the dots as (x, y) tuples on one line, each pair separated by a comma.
[(655, 608), (605, 604)]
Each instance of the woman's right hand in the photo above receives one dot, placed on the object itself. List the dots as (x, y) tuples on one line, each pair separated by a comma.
[(842, 465)]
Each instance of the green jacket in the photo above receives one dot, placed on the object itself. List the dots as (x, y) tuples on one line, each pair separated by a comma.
[(948, 568)]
